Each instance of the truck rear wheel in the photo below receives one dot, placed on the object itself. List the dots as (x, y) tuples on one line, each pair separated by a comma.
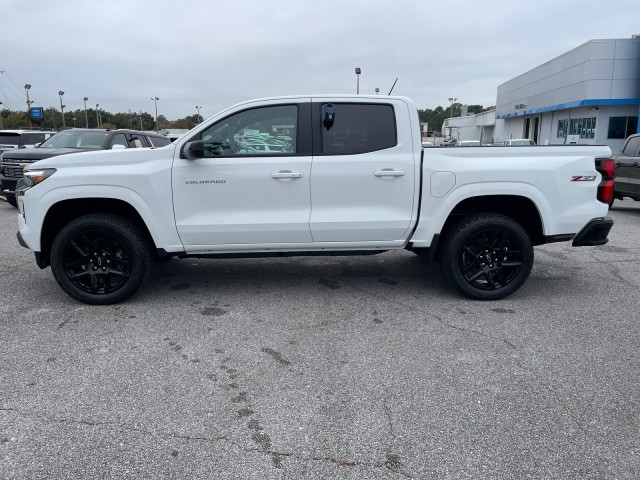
[(100, 258), (487, 256)]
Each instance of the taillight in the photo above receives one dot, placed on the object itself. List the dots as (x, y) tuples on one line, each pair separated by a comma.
[(605, 166)]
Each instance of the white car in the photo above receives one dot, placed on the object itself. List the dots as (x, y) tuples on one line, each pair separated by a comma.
[(10, 139)]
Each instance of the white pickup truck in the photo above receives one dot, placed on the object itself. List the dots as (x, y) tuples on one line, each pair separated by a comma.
[(310, 175)]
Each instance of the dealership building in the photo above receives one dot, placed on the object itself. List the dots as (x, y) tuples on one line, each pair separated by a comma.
[(589, 95)]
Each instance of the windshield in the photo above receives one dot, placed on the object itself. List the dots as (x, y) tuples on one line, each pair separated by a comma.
[(10, 139), (71, 139)]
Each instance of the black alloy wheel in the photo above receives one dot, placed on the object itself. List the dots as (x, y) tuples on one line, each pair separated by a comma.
[(100, 259), (487, 256)]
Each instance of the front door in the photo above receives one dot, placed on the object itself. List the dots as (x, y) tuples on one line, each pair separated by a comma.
[(252, 185)]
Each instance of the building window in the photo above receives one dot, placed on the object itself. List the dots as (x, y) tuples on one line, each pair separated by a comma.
[(562, 127), (585, 127), (622, 127)]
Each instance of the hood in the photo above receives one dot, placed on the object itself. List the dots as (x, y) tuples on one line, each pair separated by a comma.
[(38, 153), (108, 157)]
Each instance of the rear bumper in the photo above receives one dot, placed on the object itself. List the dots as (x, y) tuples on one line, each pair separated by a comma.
[(594, 233)]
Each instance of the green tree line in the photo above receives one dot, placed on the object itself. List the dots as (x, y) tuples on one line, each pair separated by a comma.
[(144, 121), (77, 118), (436, 117)]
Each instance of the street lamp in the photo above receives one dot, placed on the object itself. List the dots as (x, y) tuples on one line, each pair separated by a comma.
[(60, 94), (155, 102), (27, 87), (97, 116), (1, 125), (86, 118), (451, 99), (198, 116), (358, 72)]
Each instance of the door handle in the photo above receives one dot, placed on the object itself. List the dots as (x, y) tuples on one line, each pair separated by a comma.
[(286, 175), (389, 173)]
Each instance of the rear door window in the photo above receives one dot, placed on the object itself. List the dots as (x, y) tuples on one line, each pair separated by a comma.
[(349, 129), (158, 141)]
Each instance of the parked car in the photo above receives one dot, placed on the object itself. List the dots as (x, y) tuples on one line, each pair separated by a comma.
[(627, 170), (448, 142), (12, 139), (518, 142), (70, 141)]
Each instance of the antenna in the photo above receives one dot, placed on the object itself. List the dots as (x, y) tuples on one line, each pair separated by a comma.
[(393, 86)]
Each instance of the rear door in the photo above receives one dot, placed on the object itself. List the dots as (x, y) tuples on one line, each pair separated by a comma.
[(363, 177)]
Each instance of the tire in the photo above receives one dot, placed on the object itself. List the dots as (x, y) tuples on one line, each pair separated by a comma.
[(100, 259), (487, 256), (11, 200)]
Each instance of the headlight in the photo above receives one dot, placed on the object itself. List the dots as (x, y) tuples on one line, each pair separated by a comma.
[(34, 177)]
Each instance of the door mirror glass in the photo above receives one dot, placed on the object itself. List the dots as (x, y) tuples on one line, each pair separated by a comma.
[(194, 150)]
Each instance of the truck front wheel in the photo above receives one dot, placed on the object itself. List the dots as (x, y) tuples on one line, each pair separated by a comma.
[(100, 258), (487, 256)]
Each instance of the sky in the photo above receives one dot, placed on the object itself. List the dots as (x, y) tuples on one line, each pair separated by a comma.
[(213, 54)]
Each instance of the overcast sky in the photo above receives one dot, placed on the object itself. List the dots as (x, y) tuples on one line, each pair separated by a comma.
[(215, 53)]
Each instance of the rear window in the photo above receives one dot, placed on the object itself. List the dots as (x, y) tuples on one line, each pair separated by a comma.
[(349, 129), (10, 139)]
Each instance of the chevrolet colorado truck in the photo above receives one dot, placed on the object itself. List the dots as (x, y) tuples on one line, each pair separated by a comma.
[(311, 175)]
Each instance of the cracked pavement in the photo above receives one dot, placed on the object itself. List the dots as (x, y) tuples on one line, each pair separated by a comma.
[(314, 368)]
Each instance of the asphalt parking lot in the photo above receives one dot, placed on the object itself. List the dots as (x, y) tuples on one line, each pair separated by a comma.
[(325, 368)]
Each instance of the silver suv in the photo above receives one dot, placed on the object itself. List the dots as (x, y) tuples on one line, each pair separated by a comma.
[(10, 139)]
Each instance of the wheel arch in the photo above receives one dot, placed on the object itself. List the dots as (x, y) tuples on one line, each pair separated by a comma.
[(63, 212), (521, 209)]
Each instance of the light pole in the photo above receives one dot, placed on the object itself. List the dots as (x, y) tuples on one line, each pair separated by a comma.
[(451, 99), (60, 94), (97, 116), (27, 87), (358, 72), (198, 116), (86, 118), (1, 125), (155, 102), (130, 120)]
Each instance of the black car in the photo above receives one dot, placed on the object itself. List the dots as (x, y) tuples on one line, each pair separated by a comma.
[(70, 141), (627, 170)]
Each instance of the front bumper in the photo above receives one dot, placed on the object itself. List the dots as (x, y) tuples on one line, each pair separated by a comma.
[(594, 233)]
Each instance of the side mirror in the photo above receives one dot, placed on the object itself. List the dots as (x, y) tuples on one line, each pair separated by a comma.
[(193, 150), (117, 147)]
